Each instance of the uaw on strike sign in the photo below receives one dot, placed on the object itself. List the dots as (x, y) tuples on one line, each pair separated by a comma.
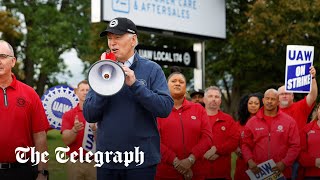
[(299, 59)]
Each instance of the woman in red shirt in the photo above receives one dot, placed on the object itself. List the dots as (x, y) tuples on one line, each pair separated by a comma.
[(185, 135), (248, 107)]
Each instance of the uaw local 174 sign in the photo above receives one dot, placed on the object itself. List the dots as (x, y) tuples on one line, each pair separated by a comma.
[(299, 59), (56, 101), (166, 56)]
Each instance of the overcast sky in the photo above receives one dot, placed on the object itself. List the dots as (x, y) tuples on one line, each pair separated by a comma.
[(75, 65)]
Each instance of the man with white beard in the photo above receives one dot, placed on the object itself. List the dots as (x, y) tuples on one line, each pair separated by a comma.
[(299, 110)]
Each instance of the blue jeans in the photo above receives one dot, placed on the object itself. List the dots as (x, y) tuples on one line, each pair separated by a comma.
[(295, 169)]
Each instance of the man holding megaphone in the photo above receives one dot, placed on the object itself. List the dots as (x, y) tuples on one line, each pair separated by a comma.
[(127, 117)]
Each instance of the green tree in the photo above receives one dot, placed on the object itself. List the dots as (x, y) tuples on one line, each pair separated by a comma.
[(9, 29), (255, 51), (223, 57), (52, 27)]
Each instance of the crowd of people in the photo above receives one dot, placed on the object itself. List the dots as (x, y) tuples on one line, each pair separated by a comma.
[(180, 138)]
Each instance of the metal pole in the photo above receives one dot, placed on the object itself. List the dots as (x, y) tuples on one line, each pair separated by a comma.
[(203, 65)]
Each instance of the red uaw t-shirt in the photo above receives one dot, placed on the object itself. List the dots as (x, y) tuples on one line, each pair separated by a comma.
[(67, 124), (299, 111), (20, 116)]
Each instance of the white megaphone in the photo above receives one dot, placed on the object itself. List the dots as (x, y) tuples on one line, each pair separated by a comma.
[(106, 77)]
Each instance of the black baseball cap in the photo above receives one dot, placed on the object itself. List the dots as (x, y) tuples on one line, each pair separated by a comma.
[(197, 92), (120, 26)]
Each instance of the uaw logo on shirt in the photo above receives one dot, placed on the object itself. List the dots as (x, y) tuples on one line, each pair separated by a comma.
[(280, 128), (311, 132), (56, 101), (194, 117), (21, 101)]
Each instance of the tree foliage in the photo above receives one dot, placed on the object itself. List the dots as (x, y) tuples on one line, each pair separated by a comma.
[(251, 59), (52, 27), (10, 31), (9, 27), (255, 50)]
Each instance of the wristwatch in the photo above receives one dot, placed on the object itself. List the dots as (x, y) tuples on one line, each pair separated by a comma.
[(43, 172)]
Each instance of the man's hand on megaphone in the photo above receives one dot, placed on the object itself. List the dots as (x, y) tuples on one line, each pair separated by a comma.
[(130, 76)]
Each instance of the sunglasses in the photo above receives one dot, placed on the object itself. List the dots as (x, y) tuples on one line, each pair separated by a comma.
[(4, 56)]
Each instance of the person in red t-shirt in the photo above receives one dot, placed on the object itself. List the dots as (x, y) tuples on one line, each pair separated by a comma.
[(300, 110), (225, 136), (310, 147), (248, 107), (73, 133), (23, 122), (185, 135)]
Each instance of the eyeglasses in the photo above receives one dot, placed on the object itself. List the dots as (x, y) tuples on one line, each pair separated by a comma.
[(4, 56), (285, 94)]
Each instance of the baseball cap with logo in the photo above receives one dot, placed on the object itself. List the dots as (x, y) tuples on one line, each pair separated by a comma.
[(120, 26), (200, 92)]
